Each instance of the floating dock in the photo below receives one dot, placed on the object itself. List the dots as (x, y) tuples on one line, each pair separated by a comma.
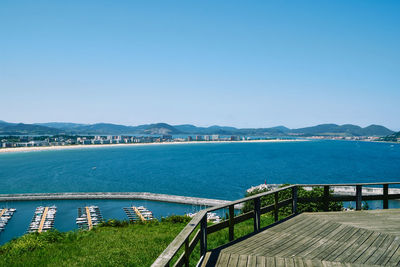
[(5, 216), (138, 214), (43, 220), (88, 217)]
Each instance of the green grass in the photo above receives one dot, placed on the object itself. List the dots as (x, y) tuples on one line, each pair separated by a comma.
[(113, 244)]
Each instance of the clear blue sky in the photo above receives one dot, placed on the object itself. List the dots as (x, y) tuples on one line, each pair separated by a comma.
[(238, 63)]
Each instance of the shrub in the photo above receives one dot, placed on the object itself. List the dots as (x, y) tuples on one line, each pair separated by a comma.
[(287, 194), (176, 219)]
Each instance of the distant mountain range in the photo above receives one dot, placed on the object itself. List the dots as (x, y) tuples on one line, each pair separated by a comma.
[(54, 128)]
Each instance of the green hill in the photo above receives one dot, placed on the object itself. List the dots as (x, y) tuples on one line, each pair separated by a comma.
[(345, 129), (27, 129)]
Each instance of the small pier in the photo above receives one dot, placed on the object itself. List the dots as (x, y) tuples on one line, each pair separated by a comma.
[(138, 213), (88, 217), (43, 220), (5, 216)]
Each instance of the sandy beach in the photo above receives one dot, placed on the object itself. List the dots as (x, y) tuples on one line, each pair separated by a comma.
[(35, 149)]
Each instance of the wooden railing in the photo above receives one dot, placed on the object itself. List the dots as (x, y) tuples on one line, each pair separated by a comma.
[(189, 243)]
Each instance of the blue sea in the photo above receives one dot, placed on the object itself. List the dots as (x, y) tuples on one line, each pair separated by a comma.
[(211, 170)]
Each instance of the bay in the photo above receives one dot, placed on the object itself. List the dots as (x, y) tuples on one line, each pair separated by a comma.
[(221, 171)]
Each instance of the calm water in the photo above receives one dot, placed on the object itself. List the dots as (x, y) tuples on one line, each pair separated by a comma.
[(222, 171)]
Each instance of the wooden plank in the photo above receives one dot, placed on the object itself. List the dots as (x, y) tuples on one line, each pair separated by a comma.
[(326, 197), (352, 247), (2, 212), (394, 260), (316, 241), (298, 262), (284, 241), (251, 261), (276, 209), (342, 246), (192, 245), (233, 260), (279, 262), (139, 214), (320, 185), (89, 218), (261, 262), (231, 223), (269, 234), (223, 260), (206, 259), (269, 261), (294, 198), (313, 254), (249, 198), (277, 239), (43, 219), (360, 249), (289, 262), (242, 261), (310, 263), (176, 244), (373, 259), (389, 252), (373, 247), (217, 227), (303, 241), (358, 196)]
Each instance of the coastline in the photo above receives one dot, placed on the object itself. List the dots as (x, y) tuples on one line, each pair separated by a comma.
[(45, 148)]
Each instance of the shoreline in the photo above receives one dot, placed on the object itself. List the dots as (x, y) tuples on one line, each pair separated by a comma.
[(47, 148)]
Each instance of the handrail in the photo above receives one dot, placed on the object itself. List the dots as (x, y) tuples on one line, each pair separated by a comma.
[(235, 202), (177, 243), (347, 184), (200, 219)]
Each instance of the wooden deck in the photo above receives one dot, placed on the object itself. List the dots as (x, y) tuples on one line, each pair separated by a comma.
[(353, 238)]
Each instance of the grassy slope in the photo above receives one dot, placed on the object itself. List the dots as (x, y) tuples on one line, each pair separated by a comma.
[(130, 245)]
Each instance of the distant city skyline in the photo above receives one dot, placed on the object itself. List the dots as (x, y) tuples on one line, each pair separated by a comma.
[(246, 65)]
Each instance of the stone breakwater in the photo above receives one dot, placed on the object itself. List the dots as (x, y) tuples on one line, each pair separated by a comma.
[(114, 195)]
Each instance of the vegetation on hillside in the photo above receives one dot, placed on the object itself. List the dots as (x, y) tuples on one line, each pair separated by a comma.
[(391, 138), (113, 243)]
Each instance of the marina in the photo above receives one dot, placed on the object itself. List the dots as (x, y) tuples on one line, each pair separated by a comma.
[(138, 214), (5, 216), (43, 220), (88, 217)]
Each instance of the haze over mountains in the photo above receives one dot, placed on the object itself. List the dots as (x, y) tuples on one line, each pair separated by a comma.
[(54, 128)]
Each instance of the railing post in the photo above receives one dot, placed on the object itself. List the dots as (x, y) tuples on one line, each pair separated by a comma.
[(231, 223), (257, 214), (276, 210), (385, 196), (358, 197), (203, 235), (326, 197), (294, 198), (187, 256)]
